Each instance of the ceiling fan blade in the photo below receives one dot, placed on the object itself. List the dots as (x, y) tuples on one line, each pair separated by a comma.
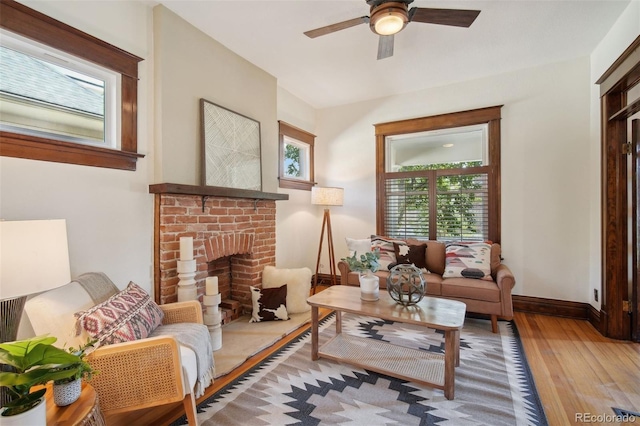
[(454, 17), (336, 27), (385, 46)]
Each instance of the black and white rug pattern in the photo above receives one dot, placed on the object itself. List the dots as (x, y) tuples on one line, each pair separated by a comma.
[(493, 384)]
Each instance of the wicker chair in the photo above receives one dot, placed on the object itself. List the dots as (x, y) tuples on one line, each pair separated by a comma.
[(132, 375)]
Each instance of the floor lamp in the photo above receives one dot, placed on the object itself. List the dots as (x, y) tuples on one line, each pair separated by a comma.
[(34, 257), (326, 197)]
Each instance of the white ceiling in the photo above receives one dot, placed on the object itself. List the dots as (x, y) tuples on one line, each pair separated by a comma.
[(342, 68)]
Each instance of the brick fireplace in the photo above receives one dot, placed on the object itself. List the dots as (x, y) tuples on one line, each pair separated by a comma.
[(234, 238)]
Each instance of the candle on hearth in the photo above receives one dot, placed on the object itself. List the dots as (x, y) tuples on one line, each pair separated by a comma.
[(186, 248), (212, 286)]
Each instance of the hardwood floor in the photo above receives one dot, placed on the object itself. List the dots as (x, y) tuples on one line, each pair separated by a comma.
[(577, 372)]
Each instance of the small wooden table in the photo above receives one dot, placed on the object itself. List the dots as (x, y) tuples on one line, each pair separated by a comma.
[(432, 369), (84, 412)]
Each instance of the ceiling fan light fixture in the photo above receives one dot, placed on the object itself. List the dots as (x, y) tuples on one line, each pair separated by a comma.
[(389, 18)]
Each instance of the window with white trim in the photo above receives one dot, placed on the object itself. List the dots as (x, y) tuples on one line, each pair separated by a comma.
[(79, 108), (296, 157), (48, 93)]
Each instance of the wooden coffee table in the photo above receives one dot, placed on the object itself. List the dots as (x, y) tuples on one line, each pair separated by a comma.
[(425, 367)]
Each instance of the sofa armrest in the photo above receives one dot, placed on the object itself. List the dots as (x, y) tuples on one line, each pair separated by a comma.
[(505, 281), (189, 311), (343, 267), (137, 374)]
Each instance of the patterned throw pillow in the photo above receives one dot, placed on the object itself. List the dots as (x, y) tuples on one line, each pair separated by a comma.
[(125, 316), (387, 253), (269, 304), (468, 260), (411, 254)]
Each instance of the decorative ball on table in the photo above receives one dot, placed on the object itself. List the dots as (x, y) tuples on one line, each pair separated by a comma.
[(405, 284)]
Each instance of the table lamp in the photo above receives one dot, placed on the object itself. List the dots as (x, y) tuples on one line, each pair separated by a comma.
[(326, 197), (34, 257)]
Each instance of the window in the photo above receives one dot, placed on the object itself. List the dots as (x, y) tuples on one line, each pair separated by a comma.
[(296, 158), (65, 96), (439, 177), (45, 92)]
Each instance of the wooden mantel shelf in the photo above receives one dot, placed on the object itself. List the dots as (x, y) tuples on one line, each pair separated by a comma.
[(214, 191)]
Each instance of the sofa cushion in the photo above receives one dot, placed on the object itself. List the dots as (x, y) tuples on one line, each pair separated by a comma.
[(298, 281), (496, 257), (468, 260), (434, 254), (125, 316), (469, 288), (269, 304), (411, 254)]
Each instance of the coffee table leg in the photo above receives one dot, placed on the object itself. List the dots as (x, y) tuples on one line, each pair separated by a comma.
[(314, 333), (338, 322), (449, 362), (457, 341)]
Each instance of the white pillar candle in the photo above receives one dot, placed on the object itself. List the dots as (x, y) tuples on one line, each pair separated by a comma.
[(186, 248), (212, 286)]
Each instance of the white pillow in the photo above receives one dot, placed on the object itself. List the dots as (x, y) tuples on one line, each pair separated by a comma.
[(298, 286), (358, 246), (52, 312)]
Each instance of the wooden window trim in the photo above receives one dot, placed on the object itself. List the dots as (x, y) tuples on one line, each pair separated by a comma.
[(36, 26), (489, 115), (293, 132)]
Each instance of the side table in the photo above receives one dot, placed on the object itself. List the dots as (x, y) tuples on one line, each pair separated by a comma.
[(84, 412)]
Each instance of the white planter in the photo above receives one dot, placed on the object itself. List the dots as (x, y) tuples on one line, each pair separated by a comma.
[(67, 393), (369, 287), (37, 416)]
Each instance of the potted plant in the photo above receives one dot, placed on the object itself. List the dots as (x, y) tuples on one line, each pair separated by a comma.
[(35, 361), (66, 391), (366, 264)]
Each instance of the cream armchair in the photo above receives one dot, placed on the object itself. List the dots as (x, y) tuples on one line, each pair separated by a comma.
[(132, 375)]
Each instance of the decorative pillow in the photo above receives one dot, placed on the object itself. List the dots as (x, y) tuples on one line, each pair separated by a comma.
[(358, 246), (468, 260), (387, 253), (298, 282), (269, 304), (125, 316), (411, 254)]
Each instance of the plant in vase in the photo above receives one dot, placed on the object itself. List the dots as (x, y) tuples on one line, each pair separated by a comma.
[(35, 361), (365, 265), (67, 390)]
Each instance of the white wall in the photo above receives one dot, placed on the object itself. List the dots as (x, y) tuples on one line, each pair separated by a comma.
[(545, 140), (621, 35), (191, 65), (297, 221), (109, 212)]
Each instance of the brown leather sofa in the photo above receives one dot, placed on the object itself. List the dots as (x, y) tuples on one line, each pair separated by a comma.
[(492, 298)]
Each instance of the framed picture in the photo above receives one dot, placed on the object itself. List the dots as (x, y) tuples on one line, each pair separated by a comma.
[(231, 156)]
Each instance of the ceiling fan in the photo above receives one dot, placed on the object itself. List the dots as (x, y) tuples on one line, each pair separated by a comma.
[(390, 17)]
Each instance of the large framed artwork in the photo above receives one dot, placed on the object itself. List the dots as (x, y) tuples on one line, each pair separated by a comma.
[(231, 148)]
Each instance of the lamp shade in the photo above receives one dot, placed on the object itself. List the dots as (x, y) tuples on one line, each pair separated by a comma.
[(34, 257), (327, 196)]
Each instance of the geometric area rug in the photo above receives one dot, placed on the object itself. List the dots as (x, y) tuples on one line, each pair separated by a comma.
[(493, 384)]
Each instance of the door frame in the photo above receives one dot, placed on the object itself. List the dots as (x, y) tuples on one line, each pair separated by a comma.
[(615, 321)]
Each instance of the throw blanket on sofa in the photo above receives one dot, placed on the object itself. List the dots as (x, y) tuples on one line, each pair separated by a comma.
[(196, 337), (97, 285)]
